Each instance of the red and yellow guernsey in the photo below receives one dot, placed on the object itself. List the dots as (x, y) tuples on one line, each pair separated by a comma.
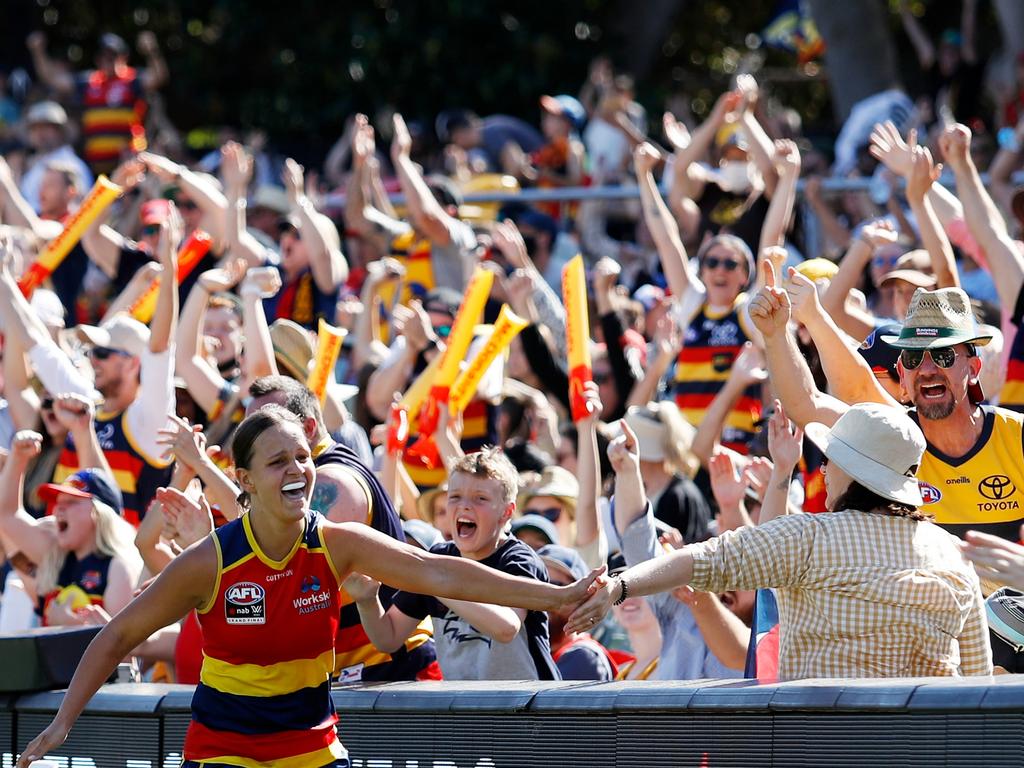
[(268, 653), (712, 343)]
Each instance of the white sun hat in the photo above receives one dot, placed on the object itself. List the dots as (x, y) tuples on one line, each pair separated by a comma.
[(878, 446)]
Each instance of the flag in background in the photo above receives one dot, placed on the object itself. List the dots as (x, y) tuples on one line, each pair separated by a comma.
[(792, 29)]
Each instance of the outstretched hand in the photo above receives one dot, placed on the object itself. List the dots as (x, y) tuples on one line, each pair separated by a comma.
[(889, 148), (923, 173), (803, 297), (593, 598), (955, 143), (785, 440)]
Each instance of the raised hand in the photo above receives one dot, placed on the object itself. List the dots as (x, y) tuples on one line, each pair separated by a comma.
[(172, 230), (749, 366), (606, 273), (785, 440), (727, 483), (955, 143), (413, 323), (26, 445), (757, 474), (223, 279), (236, 166), (364, 146), (803, 297), (129, 174), (385, 270), (591, 397), (923, 173), (191, 518), (294, 183), (889, 148), (645, 157), (146, 43), (74, 412), (624, 451), (678, 135), (184, 442), (163, 168), (667, 336), (401, 144), (261, 281), (749, 91), (787, 158), (509, 240), (879, 233), (770, 308)]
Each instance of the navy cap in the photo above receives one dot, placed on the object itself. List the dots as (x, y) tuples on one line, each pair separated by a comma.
[(86, 484), (565, 558), (536, 523), (422, 532), (880, 356)]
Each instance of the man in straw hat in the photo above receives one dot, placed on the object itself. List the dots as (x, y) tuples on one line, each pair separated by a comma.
[(971, 475), (873, 589)]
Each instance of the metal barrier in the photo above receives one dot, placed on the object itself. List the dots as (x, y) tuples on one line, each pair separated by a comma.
[(915, 722)]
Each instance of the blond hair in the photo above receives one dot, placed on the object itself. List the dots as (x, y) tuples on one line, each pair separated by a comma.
[(492, 463), (114, 537)]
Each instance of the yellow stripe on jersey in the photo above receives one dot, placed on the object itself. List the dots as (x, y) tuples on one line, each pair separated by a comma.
[(736, 419), (205, 608), (316, 759), (269, 680), (110, 116)]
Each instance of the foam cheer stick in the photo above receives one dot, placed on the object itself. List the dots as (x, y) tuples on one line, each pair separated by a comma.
[(472, 306), (398, 430), (417, 392), (102, 194), (577, 326), (191, 252), (328, 345), (509, 324)]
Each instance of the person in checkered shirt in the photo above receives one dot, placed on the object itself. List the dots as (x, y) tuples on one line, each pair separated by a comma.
[(874, 589)]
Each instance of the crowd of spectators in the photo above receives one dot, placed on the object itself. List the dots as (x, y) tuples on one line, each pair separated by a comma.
[(733, 301)]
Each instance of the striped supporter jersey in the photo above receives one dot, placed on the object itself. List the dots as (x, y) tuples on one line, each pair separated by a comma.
[(137, 475), (713, 341), (1011, 396), (268, 653)]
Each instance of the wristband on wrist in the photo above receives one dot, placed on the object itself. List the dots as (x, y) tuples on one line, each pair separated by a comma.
[(624, 593)]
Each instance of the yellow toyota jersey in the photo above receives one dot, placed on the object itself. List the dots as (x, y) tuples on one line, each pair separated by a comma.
[(984, 489)]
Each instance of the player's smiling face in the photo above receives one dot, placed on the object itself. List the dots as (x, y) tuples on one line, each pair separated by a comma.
[(281, 473), (478, 513)]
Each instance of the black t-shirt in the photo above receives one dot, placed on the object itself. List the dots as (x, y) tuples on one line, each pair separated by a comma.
[(133, 258), (724, 212), (466, 654)]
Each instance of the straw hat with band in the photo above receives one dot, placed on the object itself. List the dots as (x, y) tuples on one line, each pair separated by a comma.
[(941, 318), (878, 446)]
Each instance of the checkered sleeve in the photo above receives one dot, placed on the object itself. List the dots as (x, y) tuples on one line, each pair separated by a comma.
[(772, 555), (975, 646)]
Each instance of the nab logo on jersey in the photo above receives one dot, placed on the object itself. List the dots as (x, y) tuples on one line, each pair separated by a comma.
[(245, 603), (929, 493)]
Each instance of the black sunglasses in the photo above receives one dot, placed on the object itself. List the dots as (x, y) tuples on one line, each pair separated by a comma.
[(150, 229), (46, 404), (943, 357), (550, 513), (187, 205), (103, 353), (714, 262)]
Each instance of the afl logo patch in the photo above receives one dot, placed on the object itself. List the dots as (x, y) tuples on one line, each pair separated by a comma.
[(245, 603), (929, 493), (996, 487)]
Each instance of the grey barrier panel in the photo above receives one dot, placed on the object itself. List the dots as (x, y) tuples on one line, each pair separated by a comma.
[(121, 723), (914, 722), (7, 745), (42, 658)]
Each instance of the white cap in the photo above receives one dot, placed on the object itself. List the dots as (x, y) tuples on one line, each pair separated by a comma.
[(878, 446)]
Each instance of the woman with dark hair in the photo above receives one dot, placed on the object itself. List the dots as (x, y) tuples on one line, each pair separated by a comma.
[(872, 589), (266, 588)]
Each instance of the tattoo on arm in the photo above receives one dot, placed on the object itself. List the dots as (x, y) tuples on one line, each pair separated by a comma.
[(325, 493)]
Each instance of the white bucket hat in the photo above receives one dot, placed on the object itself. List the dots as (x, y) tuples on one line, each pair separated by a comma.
[(878, 446)]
